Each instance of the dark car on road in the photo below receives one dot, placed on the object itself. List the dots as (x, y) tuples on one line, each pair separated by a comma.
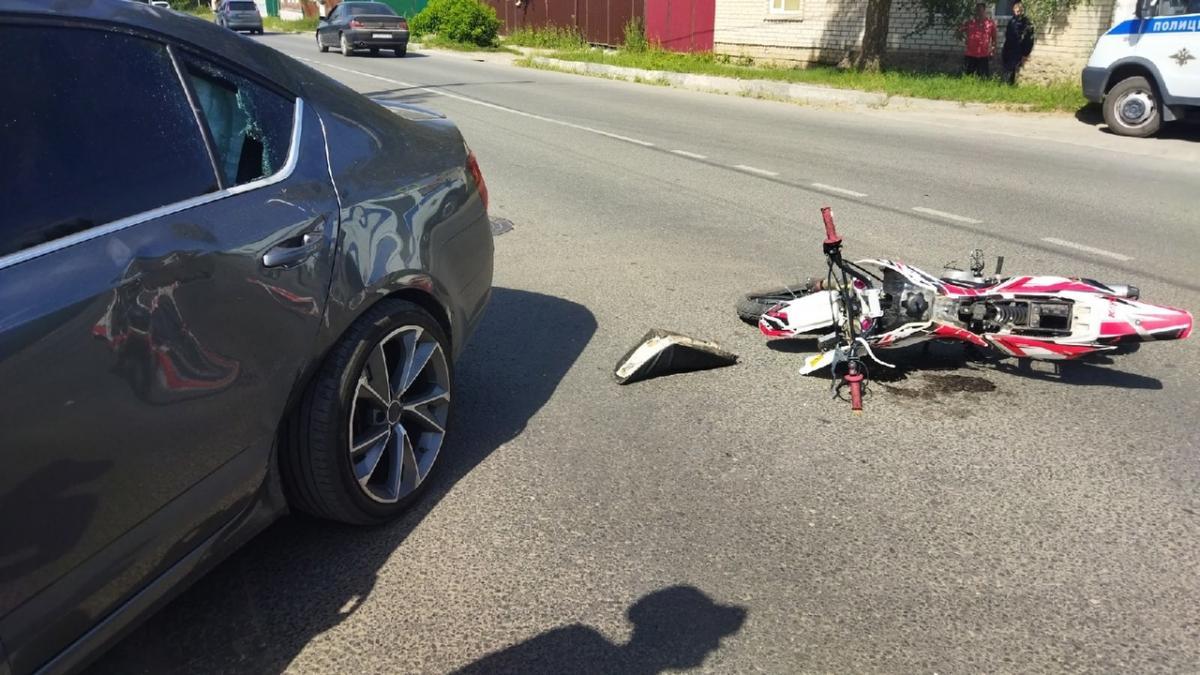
[(238, 15), (230, 287), (352, 26)]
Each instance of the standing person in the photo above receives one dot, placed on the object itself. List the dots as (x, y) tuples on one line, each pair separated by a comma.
[(980, 34), (1018, 42)]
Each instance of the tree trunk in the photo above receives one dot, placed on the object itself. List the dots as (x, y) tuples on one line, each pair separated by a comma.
[(874, 36)]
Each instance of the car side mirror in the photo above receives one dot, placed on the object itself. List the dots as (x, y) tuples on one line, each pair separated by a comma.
[(1144, 8)]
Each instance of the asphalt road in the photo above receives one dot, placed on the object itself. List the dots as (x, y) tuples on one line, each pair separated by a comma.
[(978, 517)]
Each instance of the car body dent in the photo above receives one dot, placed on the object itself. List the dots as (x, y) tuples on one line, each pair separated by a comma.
[(125, 294), (394, 217)]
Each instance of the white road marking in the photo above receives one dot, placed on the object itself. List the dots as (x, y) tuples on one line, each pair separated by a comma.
[(685, 153), (947, 216), (844, 191), (493, 106), (1088, 249), (752, 169)]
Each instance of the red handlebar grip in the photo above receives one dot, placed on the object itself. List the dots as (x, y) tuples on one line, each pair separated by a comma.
[(854, 379), (831, 235)]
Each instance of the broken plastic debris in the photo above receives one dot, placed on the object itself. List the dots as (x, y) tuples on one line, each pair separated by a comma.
[(662, 352), (500, 226)]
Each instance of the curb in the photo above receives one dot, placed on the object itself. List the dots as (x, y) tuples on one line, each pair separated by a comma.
[(769, 89)]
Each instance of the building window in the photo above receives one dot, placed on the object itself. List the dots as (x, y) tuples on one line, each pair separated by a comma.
[(786, 6), (1003, 8)]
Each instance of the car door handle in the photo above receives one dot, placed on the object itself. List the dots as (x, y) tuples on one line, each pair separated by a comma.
[(291, 251)]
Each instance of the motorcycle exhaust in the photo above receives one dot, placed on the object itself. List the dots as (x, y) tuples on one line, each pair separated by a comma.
[(1126, 291)]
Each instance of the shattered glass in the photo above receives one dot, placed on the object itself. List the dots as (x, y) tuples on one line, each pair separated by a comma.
[(251, 126)]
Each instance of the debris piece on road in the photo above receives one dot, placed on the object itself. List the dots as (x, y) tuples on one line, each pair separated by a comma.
[(662, 352), (500, 226)]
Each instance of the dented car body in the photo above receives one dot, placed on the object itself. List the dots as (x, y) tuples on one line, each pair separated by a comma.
[(158, 327)]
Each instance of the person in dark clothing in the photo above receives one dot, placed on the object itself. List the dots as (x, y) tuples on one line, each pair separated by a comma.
[(1018, 42)]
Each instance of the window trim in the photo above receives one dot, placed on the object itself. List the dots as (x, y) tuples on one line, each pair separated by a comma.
[(210, 145), (70, 240)]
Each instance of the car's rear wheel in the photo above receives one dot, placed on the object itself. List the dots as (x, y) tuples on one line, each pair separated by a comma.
[(370, 428), (320, 46), (347, 50), (400, 51)]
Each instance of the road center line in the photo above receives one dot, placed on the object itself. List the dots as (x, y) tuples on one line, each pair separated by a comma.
[(1086, 248), (685, 153), (475, 101), (947, 216), (844, 191), (752, 169)]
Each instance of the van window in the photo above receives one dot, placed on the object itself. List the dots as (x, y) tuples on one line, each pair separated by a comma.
[(1178, 7)]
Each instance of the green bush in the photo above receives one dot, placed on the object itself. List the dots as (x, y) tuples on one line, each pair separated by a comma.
[(635, 36), (550, 37), (467, 21)]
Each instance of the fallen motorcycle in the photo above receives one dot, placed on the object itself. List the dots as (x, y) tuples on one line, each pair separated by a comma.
[(854, 311)]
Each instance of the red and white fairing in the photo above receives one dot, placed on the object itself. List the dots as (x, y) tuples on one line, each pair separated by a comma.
[(1099, 319)]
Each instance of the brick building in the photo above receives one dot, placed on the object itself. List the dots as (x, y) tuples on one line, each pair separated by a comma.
[(826, 31)]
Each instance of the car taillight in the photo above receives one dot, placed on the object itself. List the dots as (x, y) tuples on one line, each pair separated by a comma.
[(473, 169), (355, 23), (403, 25)]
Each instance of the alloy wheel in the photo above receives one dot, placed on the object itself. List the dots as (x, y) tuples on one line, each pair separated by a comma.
[(398, 414)]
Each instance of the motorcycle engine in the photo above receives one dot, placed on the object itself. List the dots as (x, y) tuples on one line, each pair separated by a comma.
[(903, 301)]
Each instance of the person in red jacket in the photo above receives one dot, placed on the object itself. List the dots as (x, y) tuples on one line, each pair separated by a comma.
[(980, 35)]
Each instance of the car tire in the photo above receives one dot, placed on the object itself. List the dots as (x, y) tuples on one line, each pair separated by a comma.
[(323, 48), (401, 51), (347, 50), (1132, 108), (751, 306), (323, 476)]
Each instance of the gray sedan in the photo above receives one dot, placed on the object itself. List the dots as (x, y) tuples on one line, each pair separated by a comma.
[(239, 15), (229, 288)]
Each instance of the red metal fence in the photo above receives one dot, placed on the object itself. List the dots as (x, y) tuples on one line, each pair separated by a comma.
[(599, 21), (681, 25)]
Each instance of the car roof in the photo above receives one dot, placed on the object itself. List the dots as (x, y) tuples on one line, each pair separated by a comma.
[(177, 26)]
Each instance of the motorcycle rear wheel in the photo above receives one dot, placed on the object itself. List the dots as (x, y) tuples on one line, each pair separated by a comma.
[(754, 304)]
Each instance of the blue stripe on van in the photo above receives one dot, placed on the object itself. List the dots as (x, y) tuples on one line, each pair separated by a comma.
[(1189, 23)]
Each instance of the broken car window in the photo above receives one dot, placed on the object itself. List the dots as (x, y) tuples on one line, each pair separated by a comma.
[(251, 126)]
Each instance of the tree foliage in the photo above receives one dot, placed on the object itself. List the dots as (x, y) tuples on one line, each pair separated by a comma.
[(952, 13)]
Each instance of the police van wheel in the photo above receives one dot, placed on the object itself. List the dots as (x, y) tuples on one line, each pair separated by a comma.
[(1131, 108)]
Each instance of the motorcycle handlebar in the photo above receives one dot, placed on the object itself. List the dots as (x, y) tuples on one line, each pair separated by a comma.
[(831, 235)]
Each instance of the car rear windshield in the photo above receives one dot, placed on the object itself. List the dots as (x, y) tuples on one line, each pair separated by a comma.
[(360, 8), (243, 7)]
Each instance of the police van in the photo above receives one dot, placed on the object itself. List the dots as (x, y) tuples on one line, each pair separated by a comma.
[(1146, 69)]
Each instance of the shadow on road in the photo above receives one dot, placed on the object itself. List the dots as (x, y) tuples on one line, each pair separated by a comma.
[(1082, 373), (673, 629), (300, 578), (936, 356)]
